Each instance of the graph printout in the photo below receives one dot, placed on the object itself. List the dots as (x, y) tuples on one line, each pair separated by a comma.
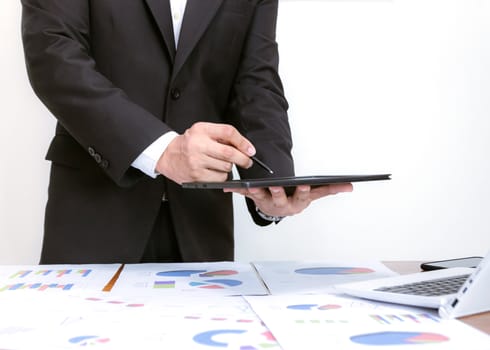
[(47, 278), (307, 277), (331, 322), (217, 278), (108, 321)]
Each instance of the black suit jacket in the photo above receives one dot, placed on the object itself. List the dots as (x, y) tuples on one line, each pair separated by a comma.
[(109, 72)]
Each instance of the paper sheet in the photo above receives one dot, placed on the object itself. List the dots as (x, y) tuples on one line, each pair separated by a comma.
[(283, 277), (106, 321), (132, 317), (332, 322), (219, 278), (48, 278)]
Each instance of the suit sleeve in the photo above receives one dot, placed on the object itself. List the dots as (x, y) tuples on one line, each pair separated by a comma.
[(97, 114), (258, 105)]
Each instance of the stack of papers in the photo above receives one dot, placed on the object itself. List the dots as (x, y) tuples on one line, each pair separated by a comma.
[(266, 305)]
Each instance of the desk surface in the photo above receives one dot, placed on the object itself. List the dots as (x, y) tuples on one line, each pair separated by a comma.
[(480, 321)]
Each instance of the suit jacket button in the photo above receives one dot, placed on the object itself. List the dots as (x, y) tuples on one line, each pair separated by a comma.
[(98, 158), (91, 151), (104, 164), (175, 93)]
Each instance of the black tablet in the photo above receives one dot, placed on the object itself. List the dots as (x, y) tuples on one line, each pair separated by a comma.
[(287, 182)]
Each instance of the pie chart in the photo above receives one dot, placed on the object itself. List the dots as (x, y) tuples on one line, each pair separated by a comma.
[(218, 273), (201, 273), (218, 339), (85, 340), (334, 271), (216, 284), (399, 338), (209, 338), (314, 307), (179, 273)]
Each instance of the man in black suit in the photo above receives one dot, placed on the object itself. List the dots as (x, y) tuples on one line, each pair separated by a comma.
[(147, 98)]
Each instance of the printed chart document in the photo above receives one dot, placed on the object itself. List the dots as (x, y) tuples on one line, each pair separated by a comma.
[(47, 278), (213, 305), (331, 322), (282, 277), (107, 321), (216, 278)]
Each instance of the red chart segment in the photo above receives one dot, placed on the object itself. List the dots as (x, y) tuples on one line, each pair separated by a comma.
[(216, 284), (313, 307), (219, 273), (398, 338)]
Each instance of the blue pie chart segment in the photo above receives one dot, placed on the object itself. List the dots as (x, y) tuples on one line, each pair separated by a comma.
[(216, 284), (229, 283), (180, 273), (88, 340), (302, 306), (314, 307), (83, 338), (207, 338), (399, 338)]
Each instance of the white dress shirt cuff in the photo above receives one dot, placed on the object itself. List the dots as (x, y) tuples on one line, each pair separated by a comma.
[(147, 161)]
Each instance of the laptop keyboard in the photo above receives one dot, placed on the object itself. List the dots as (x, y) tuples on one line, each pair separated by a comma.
[(435, 287)]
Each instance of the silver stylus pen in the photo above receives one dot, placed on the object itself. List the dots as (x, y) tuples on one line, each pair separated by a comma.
[(262, 164)]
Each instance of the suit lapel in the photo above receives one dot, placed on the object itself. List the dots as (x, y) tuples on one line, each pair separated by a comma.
[(160, 10), (198, 15)]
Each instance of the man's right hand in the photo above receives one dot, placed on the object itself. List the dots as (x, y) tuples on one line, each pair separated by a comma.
[(205, 152)]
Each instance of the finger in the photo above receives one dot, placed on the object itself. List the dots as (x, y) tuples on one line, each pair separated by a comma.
[(302, 195), (338, 188), (258, 194), (241, 191), (200, 165), (218, 165), (207, 175), (227, 134), (229, 154), (279, 197), (322, 191)]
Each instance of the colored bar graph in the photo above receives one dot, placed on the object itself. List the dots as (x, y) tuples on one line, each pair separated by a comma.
[(61, 273), (380, 319), (55, 286), (32, 286), (15, 286), (84, 273), (164, 284), (36, 286), (429, 317), (395, 319), (412, 317), (21, 274), (65, 287), (43, 272)]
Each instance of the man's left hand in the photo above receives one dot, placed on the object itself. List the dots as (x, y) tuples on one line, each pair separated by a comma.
[(274, 201)]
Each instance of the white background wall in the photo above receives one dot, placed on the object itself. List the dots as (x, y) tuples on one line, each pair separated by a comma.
[(398, 86)]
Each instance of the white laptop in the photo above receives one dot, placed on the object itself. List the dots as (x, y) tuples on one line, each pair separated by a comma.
[(469, 289)]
